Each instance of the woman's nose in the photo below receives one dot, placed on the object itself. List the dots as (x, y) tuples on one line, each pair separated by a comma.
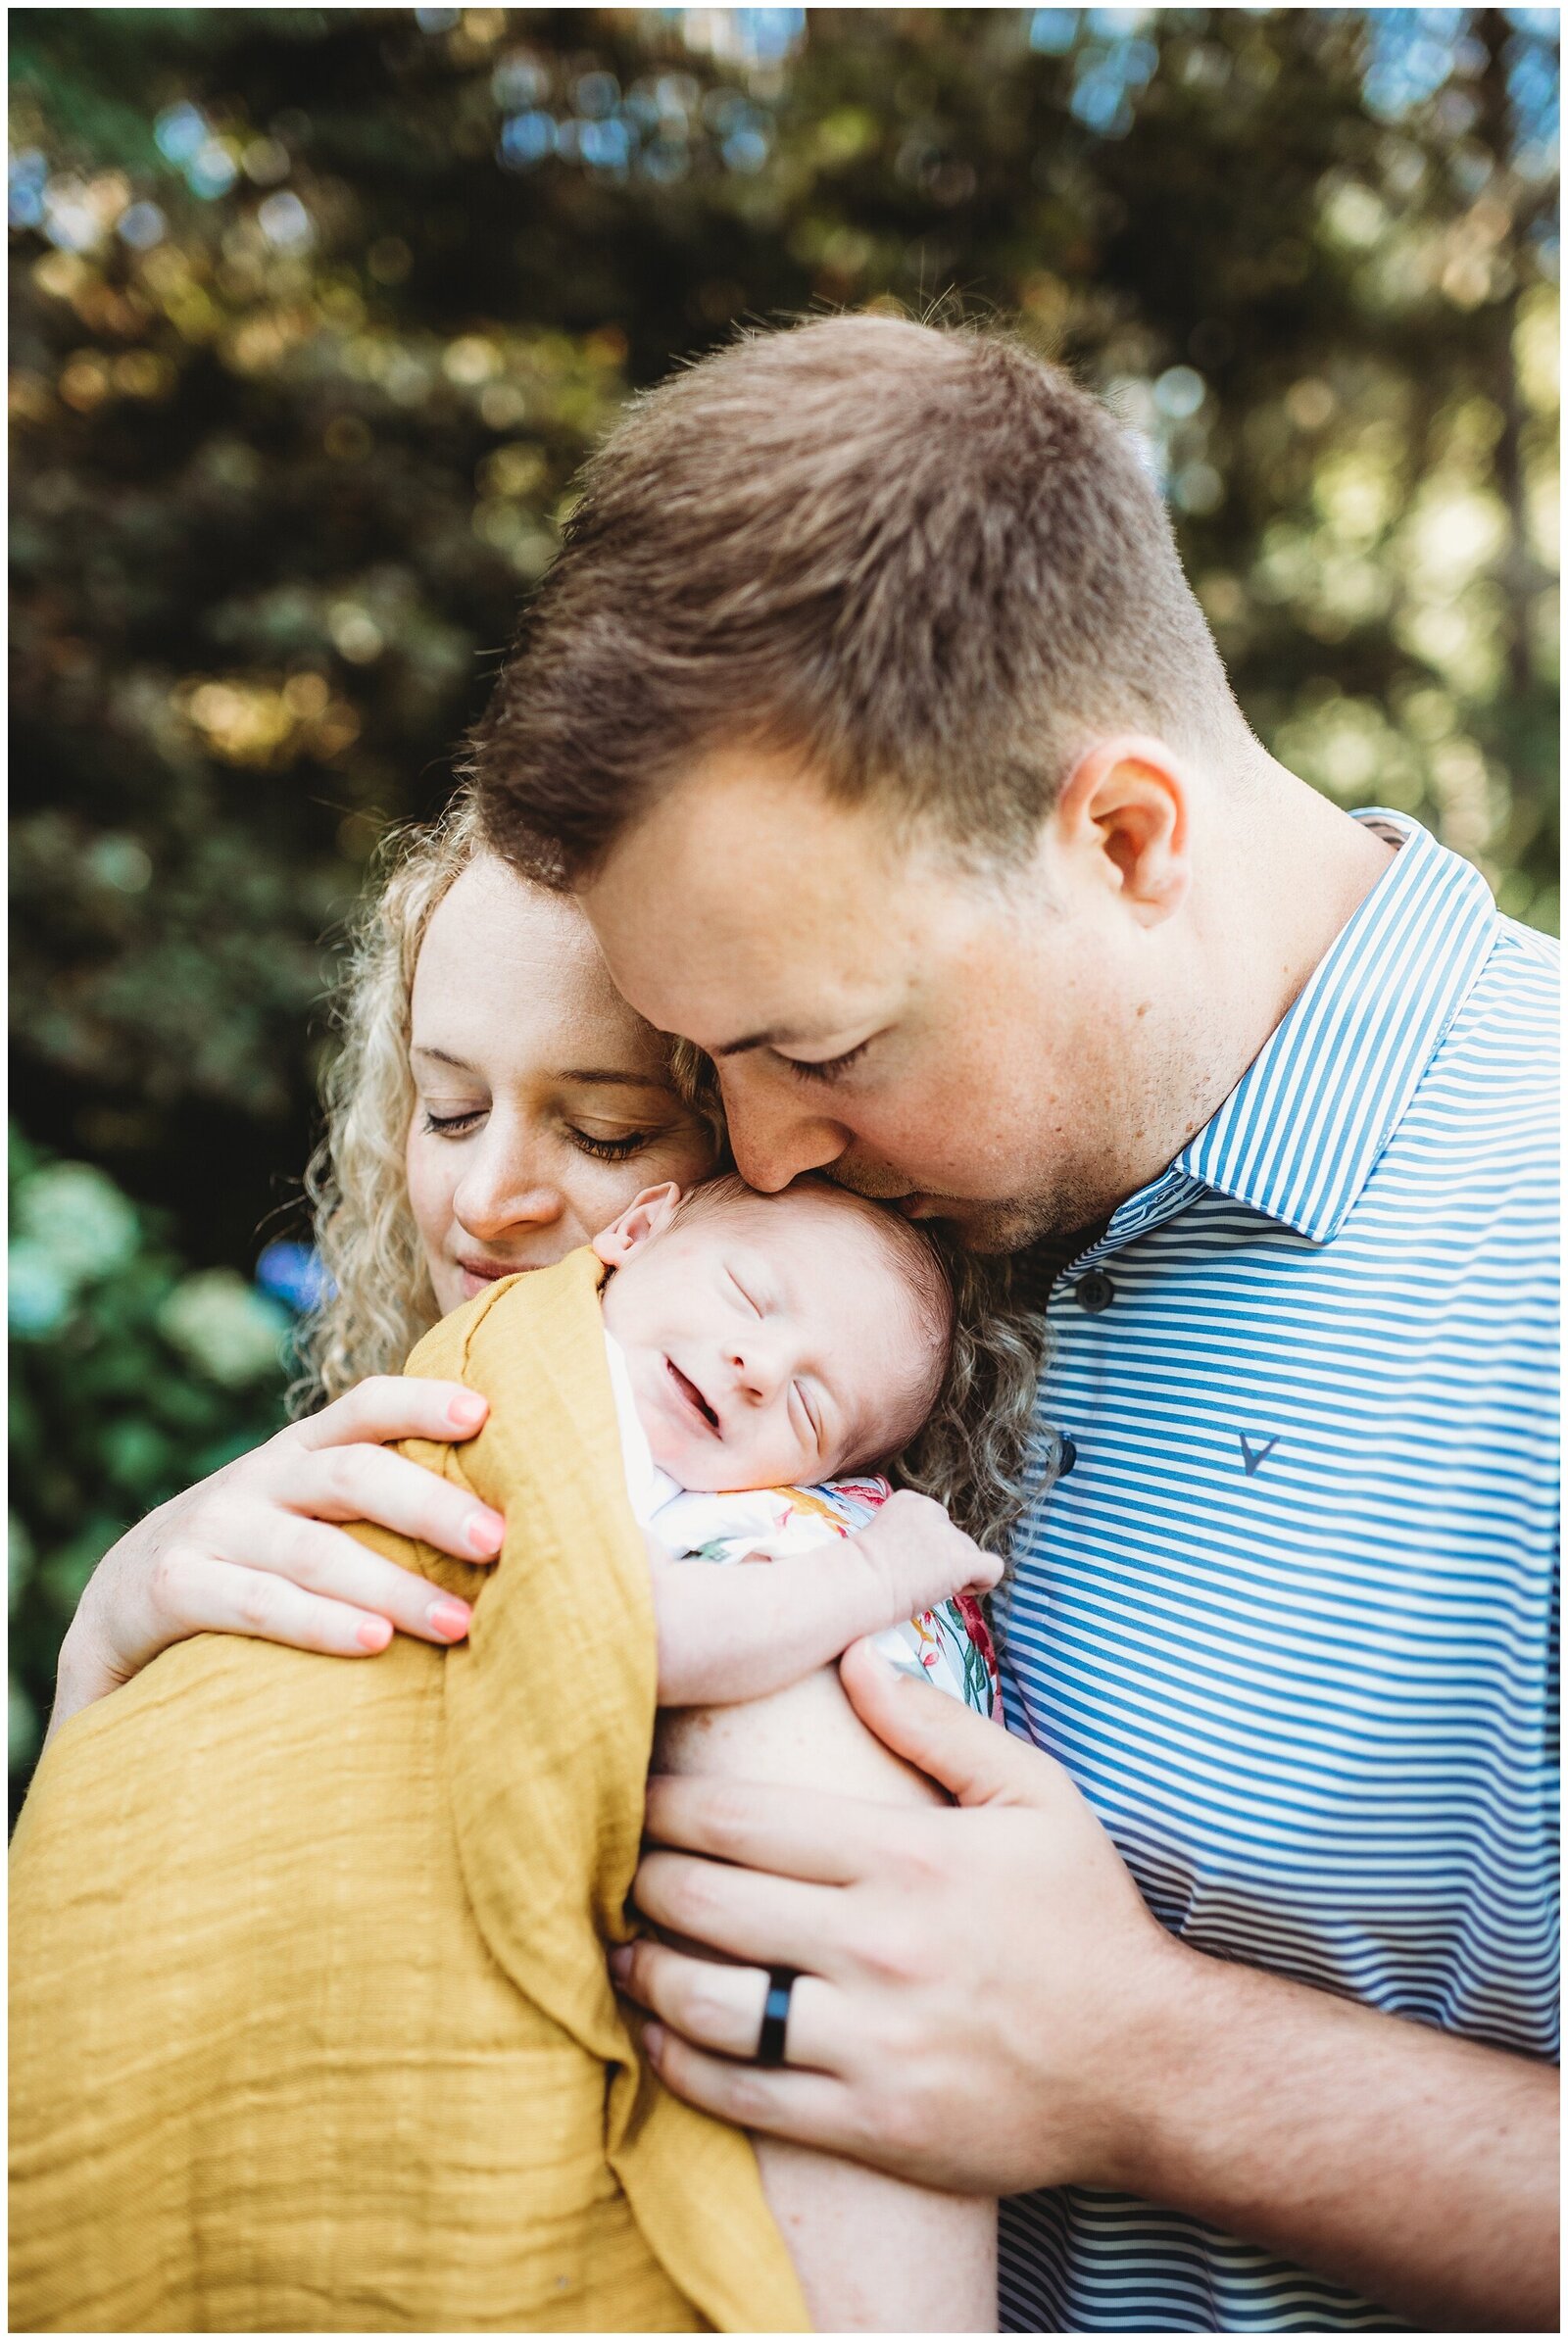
[(494, 1196)]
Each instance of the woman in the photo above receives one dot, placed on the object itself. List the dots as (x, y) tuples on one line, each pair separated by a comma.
[(421, 1185), (495, 1103)]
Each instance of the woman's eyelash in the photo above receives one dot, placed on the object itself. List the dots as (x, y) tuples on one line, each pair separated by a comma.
[(610, 1150), (833, 1068), (450, 1122)]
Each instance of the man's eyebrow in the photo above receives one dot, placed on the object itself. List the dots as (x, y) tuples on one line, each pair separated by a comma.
[(758, 1040)]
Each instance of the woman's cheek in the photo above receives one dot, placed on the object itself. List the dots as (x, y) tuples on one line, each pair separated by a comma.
[(686, 1155), (600, 1192)]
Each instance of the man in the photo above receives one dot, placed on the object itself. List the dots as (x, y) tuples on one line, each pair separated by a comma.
[(872, 719)]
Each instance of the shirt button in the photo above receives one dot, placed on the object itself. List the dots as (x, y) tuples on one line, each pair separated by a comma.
[(1069, 1456), (1094, 1292)]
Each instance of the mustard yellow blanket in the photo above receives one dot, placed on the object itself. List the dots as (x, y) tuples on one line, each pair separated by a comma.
[(309, 2025)]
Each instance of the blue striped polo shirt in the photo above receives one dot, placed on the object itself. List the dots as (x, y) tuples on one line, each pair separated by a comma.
[(1290, 1622)]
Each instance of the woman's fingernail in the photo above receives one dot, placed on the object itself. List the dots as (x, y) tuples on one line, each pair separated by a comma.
[(465, 1413), (449, 1619), (654, 2041), (373, 1633), (485, 1532), (621, 1962)]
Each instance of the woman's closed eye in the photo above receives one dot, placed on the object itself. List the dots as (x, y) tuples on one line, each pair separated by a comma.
[(610, 1150), (603, 1148)]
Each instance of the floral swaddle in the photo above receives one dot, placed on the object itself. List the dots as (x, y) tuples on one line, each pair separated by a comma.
[(949, 1645)]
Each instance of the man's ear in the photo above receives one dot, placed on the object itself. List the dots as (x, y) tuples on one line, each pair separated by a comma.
[(647, 1215), (1125, 802)]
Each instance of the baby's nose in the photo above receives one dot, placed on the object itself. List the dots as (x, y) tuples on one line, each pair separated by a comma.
[(758, 1370)]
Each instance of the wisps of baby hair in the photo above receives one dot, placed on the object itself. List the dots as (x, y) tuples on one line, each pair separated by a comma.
[(926, 1276)]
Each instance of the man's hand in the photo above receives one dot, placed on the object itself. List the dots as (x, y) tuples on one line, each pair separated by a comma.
[(257, 1547), (727, 1634), (986, 2004), (892, 1917)]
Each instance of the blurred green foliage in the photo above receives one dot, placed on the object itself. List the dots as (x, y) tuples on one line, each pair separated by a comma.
[(316, 309), (131, 1375)]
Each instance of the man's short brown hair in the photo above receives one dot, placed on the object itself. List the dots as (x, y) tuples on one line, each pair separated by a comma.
[(924, 561)]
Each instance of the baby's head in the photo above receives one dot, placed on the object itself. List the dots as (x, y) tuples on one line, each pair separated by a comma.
[(774, 1339)]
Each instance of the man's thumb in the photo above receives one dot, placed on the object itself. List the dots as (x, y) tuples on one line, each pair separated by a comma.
[(974, 1760)]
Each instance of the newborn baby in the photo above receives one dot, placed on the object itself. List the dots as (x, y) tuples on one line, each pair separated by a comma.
[(760, 1348)]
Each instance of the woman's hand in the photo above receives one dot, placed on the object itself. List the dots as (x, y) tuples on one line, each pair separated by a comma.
[(250, 1551)]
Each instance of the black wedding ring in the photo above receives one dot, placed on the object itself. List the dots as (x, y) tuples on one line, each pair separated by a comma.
[(775, 2016)]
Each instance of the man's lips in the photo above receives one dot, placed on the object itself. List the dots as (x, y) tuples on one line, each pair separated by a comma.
[(926, 1206), (691, 1398), (910, 1202), (871, 1187)]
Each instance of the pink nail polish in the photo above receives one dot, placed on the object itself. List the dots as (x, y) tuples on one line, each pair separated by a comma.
[(449, 1619), (465, 1413), (485, 1533), (373, 1635)]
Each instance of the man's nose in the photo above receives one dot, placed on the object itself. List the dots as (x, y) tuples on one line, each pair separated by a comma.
[(497, 1193), (774, 1139)]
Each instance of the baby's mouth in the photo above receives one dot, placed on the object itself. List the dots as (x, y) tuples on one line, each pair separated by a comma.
[(692, 1395)]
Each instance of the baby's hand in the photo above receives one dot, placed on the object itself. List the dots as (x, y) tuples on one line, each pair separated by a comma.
[(921, 1558), (726, 1635)]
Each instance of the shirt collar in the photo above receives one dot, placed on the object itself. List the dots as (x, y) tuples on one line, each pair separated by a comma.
[(1297, 1137)]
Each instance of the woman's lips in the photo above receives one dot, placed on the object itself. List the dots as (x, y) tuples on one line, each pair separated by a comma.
[(476, 1274), (691, 1398)]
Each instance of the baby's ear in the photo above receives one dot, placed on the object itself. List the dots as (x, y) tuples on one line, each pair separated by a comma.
[(647, 1215)]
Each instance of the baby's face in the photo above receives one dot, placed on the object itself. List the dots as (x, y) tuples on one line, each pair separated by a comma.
[(771, 1340)]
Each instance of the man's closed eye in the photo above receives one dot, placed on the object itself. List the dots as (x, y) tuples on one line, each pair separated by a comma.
[(832, 1068)]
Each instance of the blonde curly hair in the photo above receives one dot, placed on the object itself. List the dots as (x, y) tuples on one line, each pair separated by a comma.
[(379, 1297), (983, 1451), (979, 1453)]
